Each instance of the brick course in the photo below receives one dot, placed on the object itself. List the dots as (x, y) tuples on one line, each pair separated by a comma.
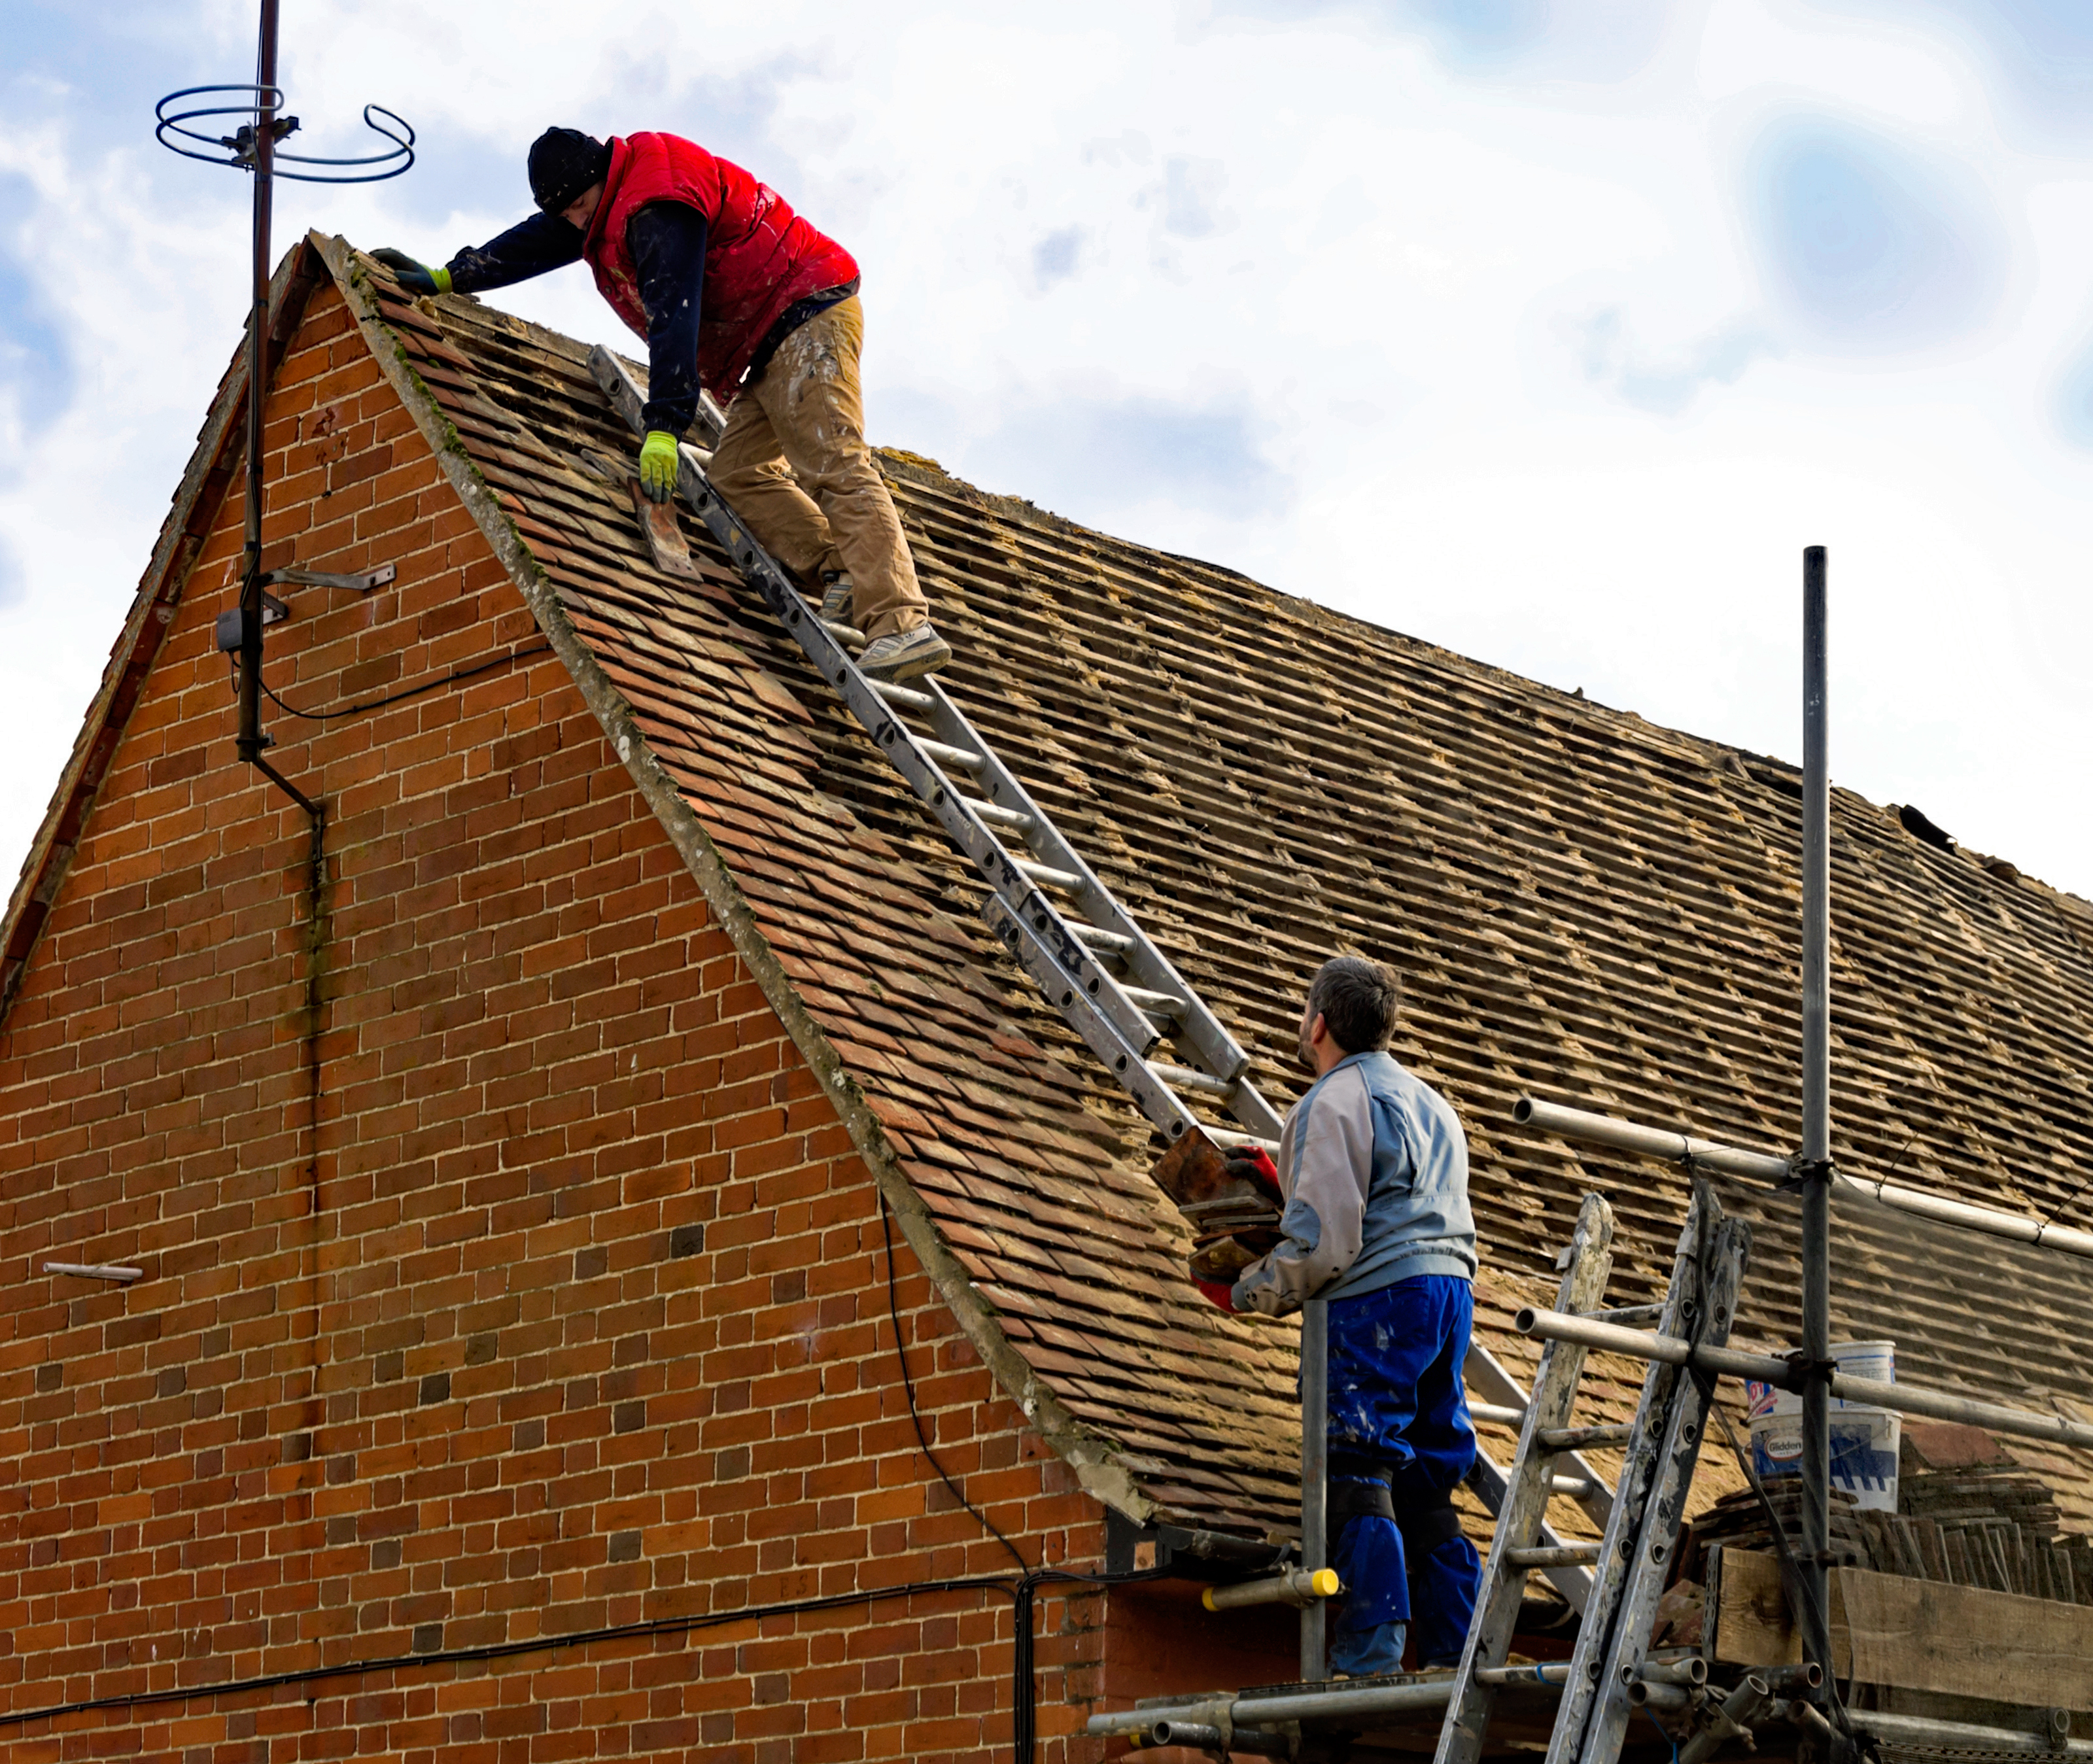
[(567, 1308)]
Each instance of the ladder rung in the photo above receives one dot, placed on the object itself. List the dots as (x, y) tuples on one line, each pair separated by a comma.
[(1184, 1078), (1497, 1412), (1228, 1138), (1577, 1488), (1544, 1674), (994, 813), (1117, 1028), (1628, 1317), (1047, 874), (1575, 1439), (945, 756), (906, 696), (1556, 1556)]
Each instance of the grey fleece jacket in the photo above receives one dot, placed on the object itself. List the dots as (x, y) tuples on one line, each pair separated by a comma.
[(1374, 1167)]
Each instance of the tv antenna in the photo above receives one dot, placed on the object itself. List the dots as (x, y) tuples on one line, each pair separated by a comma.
[(252, 147)]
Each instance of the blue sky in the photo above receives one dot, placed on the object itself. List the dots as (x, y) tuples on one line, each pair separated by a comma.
[(1550, 333)]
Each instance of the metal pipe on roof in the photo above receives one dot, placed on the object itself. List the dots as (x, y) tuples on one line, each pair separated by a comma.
[(1988, 1219), (1764, 1166), (1648, 1142), (1730, 1363), (1815, 1166), (1315, 1476)]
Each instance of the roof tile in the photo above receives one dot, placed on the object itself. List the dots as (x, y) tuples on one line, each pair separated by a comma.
[(1583, 905)]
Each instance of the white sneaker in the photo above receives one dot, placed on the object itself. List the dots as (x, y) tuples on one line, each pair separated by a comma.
[(904, 655)]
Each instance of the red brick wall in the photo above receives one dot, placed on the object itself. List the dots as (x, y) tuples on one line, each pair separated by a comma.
[(568, 1312)]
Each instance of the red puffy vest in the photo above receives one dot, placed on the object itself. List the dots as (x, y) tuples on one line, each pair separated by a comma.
[(760, 256)]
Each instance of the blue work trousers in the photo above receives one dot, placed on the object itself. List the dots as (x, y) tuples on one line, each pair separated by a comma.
[(1397, 1402)]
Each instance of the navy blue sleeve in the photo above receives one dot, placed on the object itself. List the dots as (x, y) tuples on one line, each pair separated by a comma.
[(667, 241), (529, 248)]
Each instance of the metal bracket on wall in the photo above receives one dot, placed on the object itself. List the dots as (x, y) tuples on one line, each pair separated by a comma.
[(362, 582)]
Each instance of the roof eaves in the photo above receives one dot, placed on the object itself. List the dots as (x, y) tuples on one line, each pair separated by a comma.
[(1088, 1452)]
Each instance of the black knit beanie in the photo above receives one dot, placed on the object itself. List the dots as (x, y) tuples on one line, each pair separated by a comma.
[(564, 162)]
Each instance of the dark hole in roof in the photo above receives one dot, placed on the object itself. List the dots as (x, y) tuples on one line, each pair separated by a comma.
[(1920, 828)]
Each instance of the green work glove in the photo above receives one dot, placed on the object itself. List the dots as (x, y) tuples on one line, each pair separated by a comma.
[(415, 276), (657, 465)]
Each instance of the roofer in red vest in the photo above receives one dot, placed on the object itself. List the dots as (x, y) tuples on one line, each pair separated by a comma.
[(1373, 1177), (735, 293)]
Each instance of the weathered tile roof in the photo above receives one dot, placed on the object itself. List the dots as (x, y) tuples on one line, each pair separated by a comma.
[(1583, 906)]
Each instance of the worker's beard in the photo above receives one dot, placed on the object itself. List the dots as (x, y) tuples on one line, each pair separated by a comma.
[(1304, 1051)]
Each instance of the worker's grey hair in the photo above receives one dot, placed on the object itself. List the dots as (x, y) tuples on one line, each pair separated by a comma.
[(1358, 1000)]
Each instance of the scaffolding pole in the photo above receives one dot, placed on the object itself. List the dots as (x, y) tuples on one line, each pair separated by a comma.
[(1315, 1477), (1784, 1375), (1814, 1166), (1750, 1164)]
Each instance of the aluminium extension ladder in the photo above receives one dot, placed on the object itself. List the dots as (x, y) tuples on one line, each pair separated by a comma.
[(1600, 1688), (1083, 949), (1090, 958)]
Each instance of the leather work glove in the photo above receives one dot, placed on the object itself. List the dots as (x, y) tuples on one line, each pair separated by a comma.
[(1218, 1292), (1252, 1164), (413, 276), (658, 465), (1223, 1258)]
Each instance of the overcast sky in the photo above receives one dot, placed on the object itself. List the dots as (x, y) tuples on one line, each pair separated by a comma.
[(1549, 331)]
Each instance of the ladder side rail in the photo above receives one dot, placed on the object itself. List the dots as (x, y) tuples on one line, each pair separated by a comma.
[(1146, 965), (1487, 1377), (712, 417), (1530, 1487), (1658, 1538), (1156, 1099), (1489, 1480), (900, 744), (1638, 1473), (1096, 990), (1046, 955)]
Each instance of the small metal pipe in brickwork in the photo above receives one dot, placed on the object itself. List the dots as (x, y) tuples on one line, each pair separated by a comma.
[(1315, 1476)]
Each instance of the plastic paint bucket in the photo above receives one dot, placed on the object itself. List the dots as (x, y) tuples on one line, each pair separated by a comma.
[(1864, 1453)]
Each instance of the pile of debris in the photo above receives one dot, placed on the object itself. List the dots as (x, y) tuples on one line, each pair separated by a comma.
[(1968, 1513)]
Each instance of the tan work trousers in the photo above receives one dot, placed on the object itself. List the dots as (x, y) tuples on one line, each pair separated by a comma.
[(794, 465)]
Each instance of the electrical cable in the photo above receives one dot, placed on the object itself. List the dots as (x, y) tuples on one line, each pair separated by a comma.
[(1024, 1700), (1659, 1726), (411, 691), (499, 1650), (1024, 1703), (908, 1386)]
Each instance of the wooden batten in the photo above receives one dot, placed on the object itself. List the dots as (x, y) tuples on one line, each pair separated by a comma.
[(1913, 1635)]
